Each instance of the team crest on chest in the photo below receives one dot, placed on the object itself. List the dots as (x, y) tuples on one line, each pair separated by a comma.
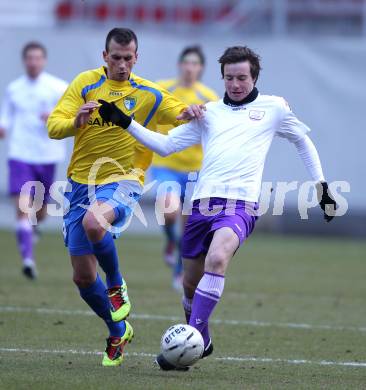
[(256, 115), (130, 103)]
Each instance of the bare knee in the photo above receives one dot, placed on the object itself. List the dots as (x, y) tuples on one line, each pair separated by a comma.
[(216, 262), (92, 227)]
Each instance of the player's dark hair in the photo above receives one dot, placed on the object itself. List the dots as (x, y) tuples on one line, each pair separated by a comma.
[(235, 54), (123, 36), (33, 45), (192, 49)]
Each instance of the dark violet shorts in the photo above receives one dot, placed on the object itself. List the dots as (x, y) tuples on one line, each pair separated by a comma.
[(238, 215), (21, 172)]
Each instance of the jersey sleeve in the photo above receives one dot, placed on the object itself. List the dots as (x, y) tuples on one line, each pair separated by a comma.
[(310, 157), (60, 123), (178, 139), (290, 127), (6, 113), (166, 84), (186, 135), (169, 109)]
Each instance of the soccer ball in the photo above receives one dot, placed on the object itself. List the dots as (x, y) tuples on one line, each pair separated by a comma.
[(182, 345)]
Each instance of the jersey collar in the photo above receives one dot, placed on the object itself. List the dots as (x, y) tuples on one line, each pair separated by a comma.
[(248, 99), (115, 83)]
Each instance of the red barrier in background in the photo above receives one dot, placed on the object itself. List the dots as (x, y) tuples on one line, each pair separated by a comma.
[(120, 12), (64, 10), (140, 13), (102, 11), (159, 14), (194, 14)]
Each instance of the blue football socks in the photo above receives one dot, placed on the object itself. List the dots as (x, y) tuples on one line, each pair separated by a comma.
[(178, 268), (96, 297), (106, 253), (170, 233)]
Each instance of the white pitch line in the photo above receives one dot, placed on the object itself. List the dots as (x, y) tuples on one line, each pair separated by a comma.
[(225, 358), (292, 361), (70, 351), (153, 317)]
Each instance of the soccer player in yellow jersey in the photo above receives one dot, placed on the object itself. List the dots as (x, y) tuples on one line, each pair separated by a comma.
[(176, 167), (106, 174)]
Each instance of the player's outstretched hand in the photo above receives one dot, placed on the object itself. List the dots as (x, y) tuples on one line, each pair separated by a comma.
[(326, 201), (195, 111), (84, 113), (111, 113)]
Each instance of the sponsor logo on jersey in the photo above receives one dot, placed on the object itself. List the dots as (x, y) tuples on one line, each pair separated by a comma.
[(130, 103), (256, 115), (102, 123), (99, 122), (115, 93)]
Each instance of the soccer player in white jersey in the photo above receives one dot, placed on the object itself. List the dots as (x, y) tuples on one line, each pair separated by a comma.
[(178, 166), (32, 155), (236, 133)]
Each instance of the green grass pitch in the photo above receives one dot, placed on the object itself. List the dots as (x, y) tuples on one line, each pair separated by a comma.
[(290, 305)]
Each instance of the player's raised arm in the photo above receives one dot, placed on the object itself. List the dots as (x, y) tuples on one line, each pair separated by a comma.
[(70, 113), (174, 112), (178, 139), (296, 132)]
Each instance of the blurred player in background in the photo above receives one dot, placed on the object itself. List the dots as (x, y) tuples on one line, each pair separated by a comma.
[(176, 167), (32, 155), (112, 165), (236, 133)]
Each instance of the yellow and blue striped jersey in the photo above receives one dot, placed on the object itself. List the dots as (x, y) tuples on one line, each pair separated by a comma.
[(189, 159), (113, 153)]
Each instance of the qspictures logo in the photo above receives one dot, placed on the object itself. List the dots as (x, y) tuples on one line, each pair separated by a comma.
[(272, 197)]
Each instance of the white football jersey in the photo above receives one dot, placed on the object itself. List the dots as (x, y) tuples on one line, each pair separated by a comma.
[(235, 143), (25, 101)]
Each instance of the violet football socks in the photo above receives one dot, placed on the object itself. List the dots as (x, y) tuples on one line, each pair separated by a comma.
[(24, 235), (206, 296)]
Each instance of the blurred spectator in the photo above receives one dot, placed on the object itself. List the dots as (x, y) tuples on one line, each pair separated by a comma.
[(32, 156)]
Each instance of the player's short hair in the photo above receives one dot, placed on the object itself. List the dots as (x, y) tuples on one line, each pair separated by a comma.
[(235, 54), (32, 46), (195, 50), (121, 35)]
